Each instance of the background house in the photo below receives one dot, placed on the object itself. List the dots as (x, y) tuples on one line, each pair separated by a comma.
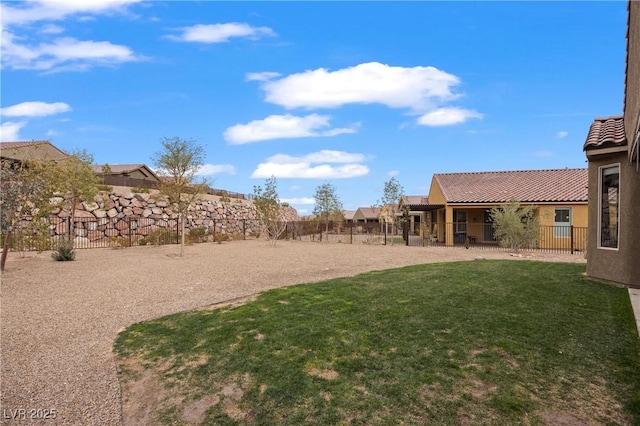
[(612, 148), (460, 204), (367, 215), (33, 150), (133, 175)]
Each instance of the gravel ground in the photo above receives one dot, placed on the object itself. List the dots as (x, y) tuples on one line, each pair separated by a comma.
[(58, 320)]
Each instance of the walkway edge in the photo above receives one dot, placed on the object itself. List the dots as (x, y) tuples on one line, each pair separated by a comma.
[(634, 296)]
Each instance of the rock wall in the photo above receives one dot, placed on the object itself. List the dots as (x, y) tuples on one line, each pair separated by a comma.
[(137, 216)]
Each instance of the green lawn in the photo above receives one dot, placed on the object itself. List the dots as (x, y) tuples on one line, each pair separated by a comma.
[(485, 342)]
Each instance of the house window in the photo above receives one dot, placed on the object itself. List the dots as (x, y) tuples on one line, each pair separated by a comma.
[(460, 221), (609, 212), (562, 223)]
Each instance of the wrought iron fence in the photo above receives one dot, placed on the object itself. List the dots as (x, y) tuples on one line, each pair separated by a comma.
[(132, 231)]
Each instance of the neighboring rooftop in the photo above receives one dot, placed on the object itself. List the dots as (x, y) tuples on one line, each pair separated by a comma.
[(120, 168), (527, 186), (606, 133), (369, 212), (30, 150)]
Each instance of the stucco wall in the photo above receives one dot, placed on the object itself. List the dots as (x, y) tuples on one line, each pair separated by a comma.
[(632, 89), (621, 265)]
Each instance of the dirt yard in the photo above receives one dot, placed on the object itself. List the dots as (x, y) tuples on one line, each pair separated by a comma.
[(58, 320)]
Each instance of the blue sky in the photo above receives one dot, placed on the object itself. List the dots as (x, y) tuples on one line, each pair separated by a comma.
[(350, 93)]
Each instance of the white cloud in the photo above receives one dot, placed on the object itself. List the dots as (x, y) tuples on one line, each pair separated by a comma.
[(299, 201), (306, 171), (417, 88), (51, 29), (447, 116), (63, 53), (34, 109), (393, 173), (9, 130), (262, 76), (562, 134), (221, 33), (52, 132), (214, 169), (19, 51), (323, 156), (49, 10), (283, 127), (310, 166)]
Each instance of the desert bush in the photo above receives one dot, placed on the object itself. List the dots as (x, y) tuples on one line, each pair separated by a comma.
[(64, 252), (225, 199), (198, 234), (220, 237), (140, 190), (119, 242), (160, 237)]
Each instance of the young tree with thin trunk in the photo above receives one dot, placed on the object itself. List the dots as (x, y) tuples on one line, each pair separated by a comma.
[(74, 181), (391, 196), (24, 192), (268, 208), (328, 204), (177, 164)]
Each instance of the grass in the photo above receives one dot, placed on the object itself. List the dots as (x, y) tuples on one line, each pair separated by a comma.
[(487, 342)]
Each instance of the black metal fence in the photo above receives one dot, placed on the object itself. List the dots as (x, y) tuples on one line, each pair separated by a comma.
[(132, 231)]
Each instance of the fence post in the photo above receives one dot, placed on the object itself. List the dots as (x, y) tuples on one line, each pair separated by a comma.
[(130, 236), (69, 237), (405, 231), (571, 239), (213, 232), (385, 233), (178, 227)]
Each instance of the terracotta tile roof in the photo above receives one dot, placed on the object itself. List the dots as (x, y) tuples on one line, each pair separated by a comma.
[(370, 212), (606, 133), (528, 186), (22, 150), (348, 214), (12, 145), (415, 200), (119, 168)]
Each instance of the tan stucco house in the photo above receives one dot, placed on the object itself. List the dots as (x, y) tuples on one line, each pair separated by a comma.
[(127, 175), (458, 206), (30, 150), (612, 148)]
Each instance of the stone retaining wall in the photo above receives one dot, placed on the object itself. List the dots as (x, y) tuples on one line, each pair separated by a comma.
[(135, 216)]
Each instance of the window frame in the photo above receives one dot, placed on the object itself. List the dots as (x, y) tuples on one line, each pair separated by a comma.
[(601, 170), (562, 231)]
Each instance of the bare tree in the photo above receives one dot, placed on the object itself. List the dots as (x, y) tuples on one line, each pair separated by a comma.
[(268, 208), (177, 165)]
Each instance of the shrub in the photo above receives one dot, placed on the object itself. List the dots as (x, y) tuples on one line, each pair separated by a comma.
[(160, 237), (105, 188), (119, 242), (64, 252), (199, 234), (139, 190), (220, 237), (225, 199)]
